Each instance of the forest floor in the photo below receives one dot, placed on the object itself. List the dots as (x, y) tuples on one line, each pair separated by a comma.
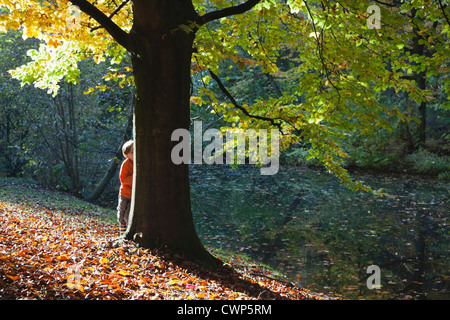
[(54, 246)]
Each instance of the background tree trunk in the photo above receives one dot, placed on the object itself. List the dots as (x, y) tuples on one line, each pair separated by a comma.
[(421, 81), (116, 161), (161, 209)]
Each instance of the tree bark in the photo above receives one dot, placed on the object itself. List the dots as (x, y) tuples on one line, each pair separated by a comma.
[(161, 210), (161, 56)]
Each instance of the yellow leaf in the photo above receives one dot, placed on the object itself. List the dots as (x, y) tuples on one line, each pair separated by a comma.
[(29, 33), (89, 91), (14, 25), (104, 260), (123, 273)]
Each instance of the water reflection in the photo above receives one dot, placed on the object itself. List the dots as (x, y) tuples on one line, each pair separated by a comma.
[(323, 236)]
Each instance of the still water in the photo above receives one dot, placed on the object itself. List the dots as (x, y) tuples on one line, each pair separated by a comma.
[(322, 236)]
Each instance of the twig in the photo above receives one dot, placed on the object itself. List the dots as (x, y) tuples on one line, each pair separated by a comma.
[(237, 106), (113, 13)]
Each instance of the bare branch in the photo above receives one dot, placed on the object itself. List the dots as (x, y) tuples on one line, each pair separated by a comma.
[(237, 106), (114, 30), (394, 4), (239, 9), (119, 7), (443, 12)]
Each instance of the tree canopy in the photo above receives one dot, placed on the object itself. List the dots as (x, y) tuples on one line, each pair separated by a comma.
[(328, 61), (327, 72)]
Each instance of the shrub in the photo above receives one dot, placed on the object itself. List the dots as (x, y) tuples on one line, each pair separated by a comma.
[(426, 162)]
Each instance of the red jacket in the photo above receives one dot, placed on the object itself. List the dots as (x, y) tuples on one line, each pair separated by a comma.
[(126, 178)]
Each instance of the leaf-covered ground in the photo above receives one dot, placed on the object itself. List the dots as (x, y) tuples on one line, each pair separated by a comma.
[(53, 246)]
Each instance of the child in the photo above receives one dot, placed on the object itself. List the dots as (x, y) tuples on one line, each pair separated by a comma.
[(126, 179)]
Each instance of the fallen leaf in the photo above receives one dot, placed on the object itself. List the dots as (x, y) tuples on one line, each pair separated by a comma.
[(104, 260), (63, 257), (13, 278)]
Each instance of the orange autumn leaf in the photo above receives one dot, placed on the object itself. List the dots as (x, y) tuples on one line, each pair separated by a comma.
[(63, 257), (13, 278)]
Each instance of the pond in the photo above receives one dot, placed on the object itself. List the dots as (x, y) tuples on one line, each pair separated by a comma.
[(324, 237)]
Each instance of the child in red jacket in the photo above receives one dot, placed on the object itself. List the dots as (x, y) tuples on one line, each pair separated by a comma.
[(126, 179)]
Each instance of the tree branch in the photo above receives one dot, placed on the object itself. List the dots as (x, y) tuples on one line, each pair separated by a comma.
[(237, 106), (443, 11), (119, 7), (394, 4), (239, 9), (407, 77), (120, 36)]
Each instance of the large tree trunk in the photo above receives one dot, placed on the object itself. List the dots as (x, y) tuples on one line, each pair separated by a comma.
[(161, 210)]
